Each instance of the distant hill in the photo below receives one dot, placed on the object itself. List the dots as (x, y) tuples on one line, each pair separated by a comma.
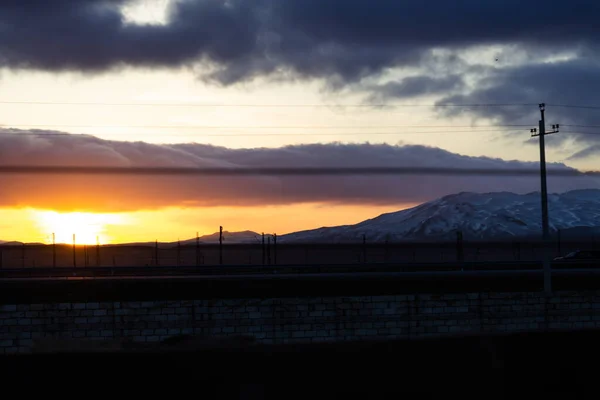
[(14, 243), (228, 238), (480, 216), (4, 243)]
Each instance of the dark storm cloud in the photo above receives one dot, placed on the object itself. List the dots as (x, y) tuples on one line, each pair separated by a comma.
[(91, 35), (567, 82), (415, 86), (342, 40), (126, 192), (572, 82)]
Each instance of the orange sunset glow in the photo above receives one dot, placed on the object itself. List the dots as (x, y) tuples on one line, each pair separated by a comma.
[(88, 228), (220, 84), (174, 223)]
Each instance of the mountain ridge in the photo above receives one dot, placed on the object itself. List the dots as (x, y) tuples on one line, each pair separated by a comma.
[(479, 216)]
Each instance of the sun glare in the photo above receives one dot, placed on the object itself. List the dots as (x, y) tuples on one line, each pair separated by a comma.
[(88, 228), (141, 12)]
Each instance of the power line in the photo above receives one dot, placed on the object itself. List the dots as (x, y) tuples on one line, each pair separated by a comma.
[(574, 106), (295, 171), (260, 105), (224, 135), (583, 133), (261, 127), (361, 105), (578, 132), (582, 126)]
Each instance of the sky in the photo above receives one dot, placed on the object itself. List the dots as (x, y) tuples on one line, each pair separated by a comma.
[(281, 83)]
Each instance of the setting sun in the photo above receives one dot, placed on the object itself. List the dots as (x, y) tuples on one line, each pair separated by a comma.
[(87, 227)]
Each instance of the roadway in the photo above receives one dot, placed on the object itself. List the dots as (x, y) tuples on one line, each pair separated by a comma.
[(259, 285), (275, 270)]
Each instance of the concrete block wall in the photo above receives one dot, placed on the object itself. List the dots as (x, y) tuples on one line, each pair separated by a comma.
[(288, 320)]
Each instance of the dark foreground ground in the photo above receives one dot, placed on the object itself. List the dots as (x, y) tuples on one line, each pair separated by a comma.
[(535, 366), (32, 256)]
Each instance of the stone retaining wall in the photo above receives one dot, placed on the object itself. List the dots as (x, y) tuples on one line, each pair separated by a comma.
[(289, 320)]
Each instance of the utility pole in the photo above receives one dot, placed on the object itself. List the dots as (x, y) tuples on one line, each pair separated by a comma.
[(268, 250), (74, 258), (275, 248), (156, 253), (544, 194), (263, 249), (53, 250), (97, 251), (197, 249), (220, 245)]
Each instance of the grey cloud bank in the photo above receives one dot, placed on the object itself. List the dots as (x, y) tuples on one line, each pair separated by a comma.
[(124, 193)]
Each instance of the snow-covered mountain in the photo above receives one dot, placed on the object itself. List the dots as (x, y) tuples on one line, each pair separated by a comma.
[(480, 216)]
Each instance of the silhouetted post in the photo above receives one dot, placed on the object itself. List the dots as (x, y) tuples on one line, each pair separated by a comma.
[(544, 195), (559, 249), (97, 251), (545, 225), (74, 257), (197, 249), (23, 255), (53, 250), (364, 257), (263, 249), (156, 253), (85, 255), (275, 248), (178, 252), (459, 246), (269, 250), (221, 245)]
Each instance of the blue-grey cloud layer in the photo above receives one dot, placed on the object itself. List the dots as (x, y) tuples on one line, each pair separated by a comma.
[(572, 82), (347, 39)]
